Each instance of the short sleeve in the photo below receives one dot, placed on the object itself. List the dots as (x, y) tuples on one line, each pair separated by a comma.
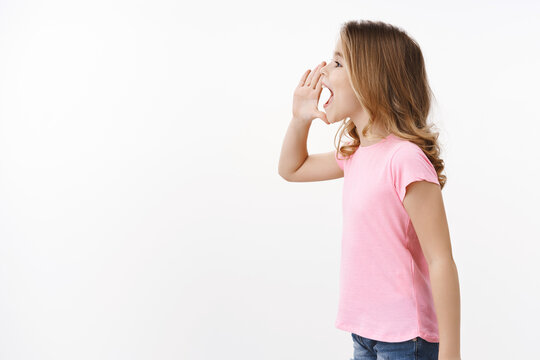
[(340, 161), (410, 164)]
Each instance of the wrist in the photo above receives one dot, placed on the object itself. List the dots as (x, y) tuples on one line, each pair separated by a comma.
[(301, 122), (454, 357)]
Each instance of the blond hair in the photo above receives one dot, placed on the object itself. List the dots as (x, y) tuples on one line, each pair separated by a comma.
[(387, 73)]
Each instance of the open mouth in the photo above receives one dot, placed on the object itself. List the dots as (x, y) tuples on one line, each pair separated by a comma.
[(331, 95), (330, 98)]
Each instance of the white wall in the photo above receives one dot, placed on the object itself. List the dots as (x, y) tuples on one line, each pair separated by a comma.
[(142, 215)]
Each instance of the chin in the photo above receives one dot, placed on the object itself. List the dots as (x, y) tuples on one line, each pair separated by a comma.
[(332, 116), (335, 119)]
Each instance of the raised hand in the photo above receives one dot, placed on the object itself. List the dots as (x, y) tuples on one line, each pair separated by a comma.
[(306, 96)]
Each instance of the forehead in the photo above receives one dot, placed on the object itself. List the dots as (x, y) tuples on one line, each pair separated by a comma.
[(337, 50)]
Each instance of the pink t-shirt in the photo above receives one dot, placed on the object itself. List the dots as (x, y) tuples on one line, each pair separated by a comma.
[(385, 289)]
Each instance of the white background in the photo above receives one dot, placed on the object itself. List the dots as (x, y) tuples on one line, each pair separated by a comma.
[(142, 214)]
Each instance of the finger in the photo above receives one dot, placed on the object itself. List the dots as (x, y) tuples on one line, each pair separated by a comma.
[(314, 76), (326, 119), (317, 82), (303, 79), (308, 81), (318, 85), (323, 117)]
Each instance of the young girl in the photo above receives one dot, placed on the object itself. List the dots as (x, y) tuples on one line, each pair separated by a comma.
[(399, 290)]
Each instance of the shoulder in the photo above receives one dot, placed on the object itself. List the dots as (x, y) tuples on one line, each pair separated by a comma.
[(407, 157), (408, 164), (405, 150), (340, 157)]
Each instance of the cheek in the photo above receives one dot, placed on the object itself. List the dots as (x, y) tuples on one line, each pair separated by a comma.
[(344, 89), (347, 98)]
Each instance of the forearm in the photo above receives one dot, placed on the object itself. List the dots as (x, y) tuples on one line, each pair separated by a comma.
[(446, 296), (294, 149)]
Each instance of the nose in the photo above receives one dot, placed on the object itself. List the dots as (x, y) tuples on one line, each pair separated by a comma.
[(323, 70)]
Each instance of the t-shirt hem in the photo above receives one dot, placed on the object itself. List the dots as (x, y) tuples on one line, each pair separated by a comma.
[(386, 337)]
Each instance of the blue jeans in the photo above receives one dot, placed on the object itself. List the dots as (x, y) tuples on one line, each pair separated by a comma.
[(414, 349)]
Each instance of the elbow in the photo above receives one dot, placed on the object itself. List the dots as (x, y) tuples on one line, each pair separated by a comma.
[(283, 174), (284, 177), (445, 259)]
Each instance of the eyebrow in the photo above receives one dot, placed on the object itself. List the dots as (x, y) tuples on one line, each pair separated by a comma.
[(337, 53)]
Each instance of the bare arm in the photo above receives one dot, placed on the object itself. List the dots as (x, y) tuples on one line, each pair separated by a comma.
[(296, 165), (424, 204)]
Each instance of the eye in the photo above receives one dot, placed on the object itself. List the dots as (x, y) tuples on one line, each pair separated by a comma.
[(337, 64)]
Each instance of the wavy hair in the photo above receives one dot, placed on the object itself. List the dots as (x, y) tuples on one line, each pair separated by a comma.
[(387, 73)]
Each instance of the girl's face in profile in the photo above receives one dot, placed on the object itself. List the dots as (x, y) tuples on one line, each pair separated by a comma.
[(343, 102)]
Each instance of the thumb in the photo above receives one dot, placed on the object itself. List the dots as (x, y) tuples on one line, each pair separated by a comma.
[(322, 116)]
